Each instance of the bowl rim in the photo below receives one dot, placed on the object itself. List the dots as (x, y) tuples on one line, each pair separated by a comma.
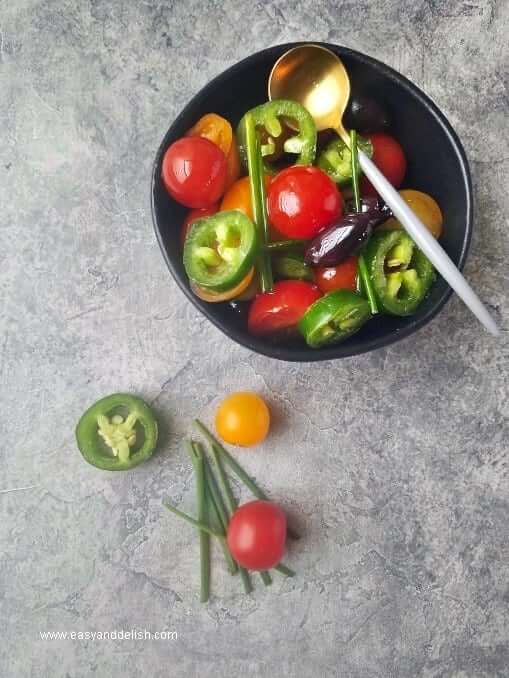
[(340, 350)]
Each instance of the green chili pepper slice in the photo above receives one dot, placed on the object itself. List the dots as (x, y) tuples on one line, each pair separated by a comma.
[(336, 159), (219, 251), (117, 433), (400, 273), (333, 318), (291, 266), (268, 117)]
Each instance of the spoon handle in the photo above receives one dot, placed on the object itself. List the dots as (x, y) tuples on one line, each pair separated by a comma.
[(427, 243)]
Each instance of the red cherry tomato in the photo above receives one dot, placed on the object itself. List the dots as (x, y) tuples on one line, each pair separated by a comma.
[(341, 277), (302, 201), (194, 172), (390, 159), (195, 214), (279, 311), (257, 535)]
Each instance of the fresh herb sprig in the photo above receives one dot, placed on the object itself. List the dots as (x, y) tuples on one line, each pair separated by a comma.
[(259, 202), (365, 280)]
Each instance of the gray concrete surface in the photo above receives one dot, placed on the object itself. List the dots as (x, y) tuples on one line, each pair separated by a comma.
[(394, 465)]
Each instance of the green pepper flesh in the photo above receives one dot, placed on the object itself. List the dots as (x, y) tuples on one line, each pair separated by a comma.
[(401, 274), (114, 442), (333, 318), (336, 159), (268, 116), (219, 250)]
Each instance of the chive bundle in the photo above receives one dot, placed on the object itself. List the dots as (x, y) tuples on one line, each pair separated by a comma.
[(216, 504)]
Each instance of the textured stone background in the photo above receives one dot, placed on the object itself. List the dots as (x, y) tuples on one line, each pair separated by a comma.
[(393, 464)]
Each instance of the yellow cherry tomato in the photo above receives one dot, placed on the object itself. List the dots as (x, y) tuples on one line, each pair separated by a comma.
[(214, 128), (243, 419), (238, 197), (234, 293), (426, 209)]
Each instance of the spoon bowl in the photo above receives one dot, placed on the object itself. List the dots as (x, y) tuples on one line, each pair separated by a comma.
[(315, 77)]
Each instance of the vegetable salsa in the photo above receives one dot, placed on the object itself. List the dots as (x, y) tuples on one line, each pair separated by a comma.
[(284, 224)]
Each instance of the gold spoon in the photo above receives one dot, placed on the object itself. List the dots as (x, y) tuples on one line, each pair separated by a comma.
[(316, 78)]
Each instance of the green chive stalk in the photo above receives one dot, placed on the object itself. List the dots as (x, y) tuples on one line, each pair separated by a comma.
[(259, 202), (192, 521), (201, 509), (231, 505), (237, 469), (365, 280), (285, 245)]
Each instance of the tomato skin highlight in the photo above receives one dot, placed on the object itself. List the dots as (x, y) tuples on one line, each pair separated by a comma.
[(257, 535), (302, 201), (194, 172), (340, 277), (389, 157), (195, 214), (280, 310), (243, 419)]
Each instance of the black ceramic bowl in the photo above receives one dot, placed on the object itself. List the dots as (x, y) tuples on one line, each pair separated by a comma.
[(436, 165)]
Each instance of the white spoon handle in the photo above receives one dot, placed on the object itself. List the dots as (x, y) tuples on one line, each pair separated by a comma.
[(427, 243)]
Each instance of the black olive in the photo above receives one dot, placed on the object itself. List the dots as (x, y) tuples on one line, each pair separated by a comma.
[(365, 115), (347, 236)]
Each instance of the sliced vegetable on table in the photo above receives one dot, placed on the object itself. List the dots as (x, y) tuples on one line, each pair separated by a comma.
[(117, 433)]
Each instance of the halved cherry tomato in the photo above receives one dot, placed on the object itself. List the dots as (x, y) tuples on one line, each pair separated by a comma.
[(243, 419), (195, 214), (218, 130), (216, 297), (214, 128), (302, 201), (238, 197), (257, 535), (279, 311), (425, 207), (390, 159), (341, 277), (194, 172)]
